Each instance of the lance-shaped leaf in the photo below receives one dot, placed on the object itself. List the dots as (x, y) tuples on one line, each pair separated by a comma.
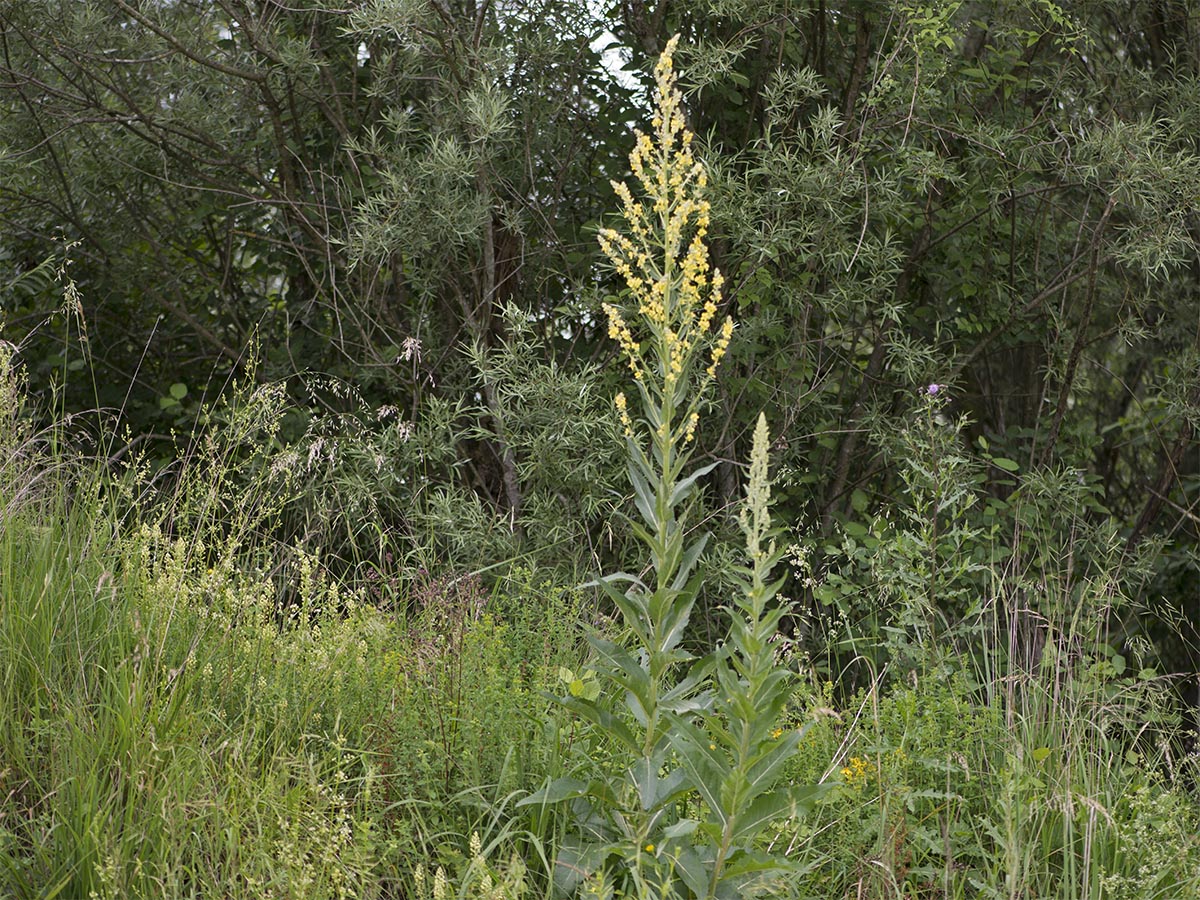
[(657, 549), (577, 860), (622, 666), (745, 870), (686, 697), (685, 487), (556, 791), (766, 769), (644, 774), (608, 723), (631, 606), (706, 767), (785, 801), (692, 864), (673, 621), (643, 495), (688, 562)]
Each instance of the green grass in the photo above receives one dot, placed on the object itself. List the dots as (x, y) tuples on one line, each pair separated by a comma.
[(188, 709), (179, 721)]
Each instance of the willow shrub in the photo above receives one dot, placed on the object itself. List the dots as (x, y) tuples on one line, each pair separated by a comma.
[(695, 745)]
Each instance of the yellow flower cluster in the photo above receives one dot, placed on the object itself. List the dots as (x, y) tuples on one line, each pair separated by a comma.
[(719, 348), (858, 771), (619, 332), (623, 412), (689, 433), (663, 258)]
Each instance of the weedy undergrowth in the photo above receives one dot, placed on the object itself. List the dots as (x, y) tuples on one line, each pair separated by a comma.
[(695, 747)]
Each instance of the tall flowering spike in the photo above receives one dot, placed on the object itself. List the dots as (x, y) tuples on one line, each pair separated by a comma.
[(667, 321), (713, 733)]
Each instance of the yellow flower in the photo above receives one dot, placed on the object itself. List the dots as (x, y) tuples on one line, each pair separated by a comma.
[(858, 771), (661, 255), (718, 351), (623, 412)]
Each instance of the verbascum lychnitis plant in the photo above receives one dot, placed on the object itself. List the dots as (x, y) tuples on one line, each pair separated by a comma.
[(690, 750)]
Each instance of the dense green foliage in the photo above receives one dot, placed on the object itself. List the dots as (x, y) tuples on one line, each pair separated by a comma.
[(307, 441)]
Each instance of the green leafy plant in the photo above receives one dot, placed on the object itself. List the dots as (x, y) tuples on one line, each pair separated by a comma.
[(695, 750)]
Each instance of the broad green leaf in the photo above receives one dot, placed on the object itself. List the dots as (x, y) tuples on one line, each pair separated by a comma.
[(768, 767), (705, 765), (626, 670), (576, 861), (605, 720), (693, 870), (689, 561), (555, 792), (644, 773), (682, 828), (761, 812), (684, 487)]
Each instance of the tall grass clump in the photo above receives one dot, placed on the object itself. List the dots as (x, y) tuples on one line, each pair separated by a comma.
[(190, 708), (680, 777), (145, 747)]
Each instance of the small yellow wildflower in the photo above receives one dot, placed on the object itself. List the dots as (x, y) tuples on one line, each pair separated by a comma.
[(718, 351), (623, 412), (858, 771)]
